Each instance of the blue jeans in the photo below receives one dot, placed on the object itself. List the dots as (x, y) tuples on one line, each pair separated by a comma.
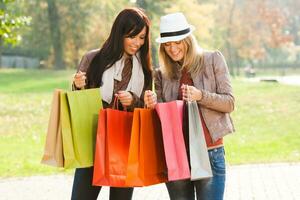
[(206, 189), (84, 190)]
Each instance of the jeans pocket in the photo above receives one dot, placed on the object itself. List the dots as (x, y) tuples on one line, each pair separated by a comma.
[(217, 161)]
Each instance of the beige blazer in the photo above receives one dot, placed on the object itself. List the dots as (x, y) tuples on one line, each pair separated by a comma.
[(217, 101)]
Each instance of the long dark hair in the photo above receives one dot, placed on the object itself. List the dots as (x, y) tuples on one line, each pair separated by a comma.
[(128, 23)]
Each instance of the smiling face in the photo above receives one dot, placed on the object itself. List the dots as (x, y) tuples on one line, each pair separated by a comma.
[(133, 43), (175, 50)]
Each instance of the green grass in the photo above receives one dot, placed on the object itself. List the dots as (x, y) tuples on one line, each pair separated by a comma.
[(266, 118), (33, 81), (25, 98)]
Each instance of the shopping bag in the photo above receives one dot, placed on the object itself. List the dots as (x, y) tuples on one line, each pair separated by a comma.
[(199, 160), (146, 160), (84, 107), (112, 146), (70, 159), (53, 152), (170, 114)]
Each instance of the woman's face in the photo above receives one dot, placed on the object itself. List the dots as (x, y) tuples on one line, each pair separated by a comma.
[(133, 44), (176, 50)]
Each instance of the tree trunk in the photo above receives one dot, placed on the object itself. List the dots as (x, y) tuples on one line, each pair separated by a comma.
[(141, 4), (228, 36), (237, 63), (55, 34), (1, 42)]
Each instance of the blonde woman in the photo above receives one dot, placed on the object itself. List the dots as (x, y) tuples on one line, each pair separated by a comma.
[(188, 71)]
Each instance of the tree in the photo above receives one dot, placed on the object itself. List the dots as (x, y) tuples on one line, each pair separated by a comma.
[(291, 9), (154, 9), (11, 24), (54, 23), (253, 31)]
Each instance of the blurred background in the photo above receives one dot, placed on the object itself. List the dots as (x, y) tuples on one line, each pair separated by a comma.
[(263, 34), (42, 42)]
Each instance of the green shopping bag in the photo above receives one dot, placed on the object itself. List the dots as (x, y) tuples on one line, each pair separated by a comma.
[(70, 160), (84, 108)]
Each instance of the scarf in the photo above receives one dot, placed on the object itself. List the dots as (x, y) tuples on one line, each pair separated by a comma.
[(135, 85)]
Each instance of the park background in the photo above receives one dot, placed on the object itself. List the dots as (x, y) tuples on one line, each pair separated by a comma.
[(42, 41)]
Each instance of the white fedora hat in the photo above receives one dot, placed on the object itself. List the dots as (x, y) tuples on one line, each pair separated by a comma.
[(174, 27)]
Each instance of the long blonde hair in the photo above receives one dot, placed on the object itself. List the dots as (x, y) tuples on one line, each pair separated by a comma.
[(193, 59)]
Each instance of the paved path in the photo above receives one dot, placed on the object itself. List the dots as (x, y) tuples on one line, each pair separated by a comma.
[(279, 181)]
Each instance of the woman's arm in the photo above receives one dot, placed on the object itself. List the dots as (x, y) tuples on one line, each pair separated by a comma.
[(80, 76), (223, 99)]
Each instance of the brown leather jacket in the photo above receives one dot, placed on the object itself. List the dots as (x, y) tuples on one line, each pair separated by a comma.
[(217, 101), (138, 102)]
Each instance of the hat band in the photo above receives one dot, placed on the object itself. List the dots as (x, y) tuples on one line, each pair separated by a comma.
[(168, 34)]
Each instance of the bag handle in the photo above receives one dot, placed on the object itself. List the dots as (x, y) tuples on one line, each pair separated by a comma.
[(188, 91), (188, 97), (153, 90), (116, 104)]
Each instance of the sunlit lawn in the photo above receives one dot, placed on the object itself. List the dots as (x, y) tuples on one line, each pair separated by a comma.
[(266, 120), (25, 98)]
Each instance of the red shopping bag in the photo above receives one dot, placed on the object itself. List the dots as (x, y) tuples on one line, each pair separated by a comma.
[(146, 160), (171, 114), (112, 146)]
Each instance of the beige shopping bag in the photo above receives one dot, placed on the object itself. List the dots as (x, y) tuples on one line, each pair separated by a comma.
[(53, 152)]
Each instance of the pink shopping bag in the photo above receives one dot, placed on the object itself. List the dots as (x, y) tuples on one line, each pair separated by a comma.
[(171, 114)]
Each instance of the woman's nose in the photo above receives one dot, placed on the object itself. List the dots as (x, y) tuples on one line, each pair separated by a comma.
[(136, 41), (173, 47)]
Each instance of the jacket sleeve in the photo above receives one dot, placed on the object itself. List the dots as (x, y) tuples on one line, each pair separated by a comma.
[(223, 99), (138, 102), (83, 66), (158, 85)]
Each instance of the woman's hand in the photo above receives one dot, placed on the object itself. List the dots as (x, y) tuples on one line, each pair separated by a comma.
[(79, 79), (190, 93), (150, 99), (125, 98)]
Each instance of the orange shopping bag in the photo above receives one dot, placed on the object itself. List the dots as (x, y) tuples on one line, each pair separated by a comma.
[(112, 146), (146, 161)]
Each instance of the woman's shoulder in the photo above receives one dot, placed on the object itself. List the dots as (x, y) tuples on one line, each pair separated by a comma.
[(212, 56), (86, 60), (211, 53), (157, 72), (160, 74), (91, 54)]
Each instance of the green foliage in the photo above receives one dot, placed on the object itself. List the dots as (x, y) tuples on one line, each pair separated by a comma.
[(266, 119), (11, 24), (244, 30)]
